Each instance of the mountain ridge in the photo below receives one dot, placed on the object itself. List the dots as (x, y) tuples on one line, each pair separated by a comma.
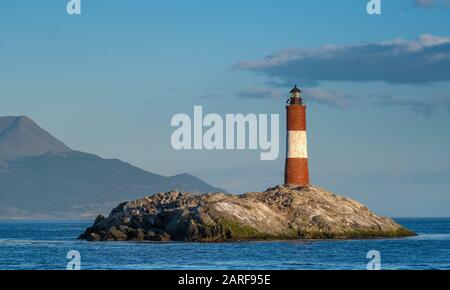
[(20, 136), (42, 178)]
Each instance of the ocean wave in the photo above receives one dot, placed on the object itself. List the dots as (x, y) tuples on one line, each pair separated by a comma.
[(431, 237), (31, 242)]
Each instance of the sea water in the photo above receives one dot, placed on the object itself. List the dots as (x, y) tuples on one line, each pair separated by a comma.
[(44, 245)]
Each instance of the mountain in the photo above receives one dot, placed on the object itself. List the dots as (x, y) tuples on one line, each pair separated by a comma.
[(20, 136), (42, 178)]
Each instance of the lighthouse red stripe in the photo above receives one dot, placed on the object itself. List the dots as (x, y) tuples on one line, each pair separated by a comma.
[(296, 118), (296, 171)]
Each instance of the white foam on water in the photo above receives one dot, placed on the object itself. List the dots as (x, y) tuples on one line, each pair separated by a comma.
[(30, 242), (431, 237)]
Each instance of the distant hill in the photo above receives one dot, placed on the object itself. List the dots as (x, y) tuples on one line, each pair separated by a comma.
[(20, 137), (42, 178)]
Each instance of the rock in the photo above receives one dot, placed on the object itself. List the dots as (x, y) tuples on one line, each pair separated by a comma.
[(93, 237), (279, 213), (117, 234)]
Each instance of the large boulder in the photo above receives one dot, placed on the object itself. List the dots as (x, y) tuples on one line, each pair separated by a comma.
[(279, 213)]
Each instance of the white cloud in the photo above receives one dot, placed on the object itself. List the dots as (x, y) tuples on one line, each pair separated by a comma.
[(424, 60), (425, 3), (431, 3), (327, 97), (260, 93)]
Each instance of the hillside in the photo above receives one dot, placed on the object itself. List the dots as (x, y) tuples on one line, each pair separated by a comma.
[(41, 178), (20, 137)]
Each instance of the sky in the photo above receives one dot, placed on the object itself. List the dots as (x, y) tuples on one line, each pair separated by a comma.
[(377, 87)]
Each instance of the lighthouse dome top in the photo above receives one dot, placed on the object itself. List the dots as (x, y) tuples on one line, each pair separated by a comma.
[(296, 96), (295, 90)]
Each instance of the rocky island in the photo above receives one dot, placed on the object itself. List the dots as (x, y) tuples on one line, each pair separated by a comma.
[(279, 213)]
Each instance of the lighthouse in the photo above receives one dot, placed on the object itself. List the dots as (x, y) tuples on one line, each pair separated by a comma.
[(296, 170)]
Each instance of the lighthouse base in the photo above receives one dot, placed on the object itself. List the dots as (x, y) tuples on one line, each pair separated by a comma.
[(296, 172)]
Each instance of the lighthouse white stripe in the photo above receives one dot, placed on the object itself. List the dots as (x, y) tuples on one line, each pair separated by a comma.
[(296, 144)]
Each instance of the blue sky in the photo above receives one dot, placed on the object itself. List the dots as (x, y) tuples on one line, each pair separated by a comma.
[(109, 81)]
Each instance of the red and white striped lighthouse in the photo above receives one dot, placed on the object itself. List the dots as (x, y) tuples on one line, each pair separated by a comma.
[(296, 170)]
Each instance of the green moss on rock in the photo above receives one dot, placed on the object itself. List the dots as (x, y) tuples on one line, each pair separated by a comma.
[(235, 231)]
